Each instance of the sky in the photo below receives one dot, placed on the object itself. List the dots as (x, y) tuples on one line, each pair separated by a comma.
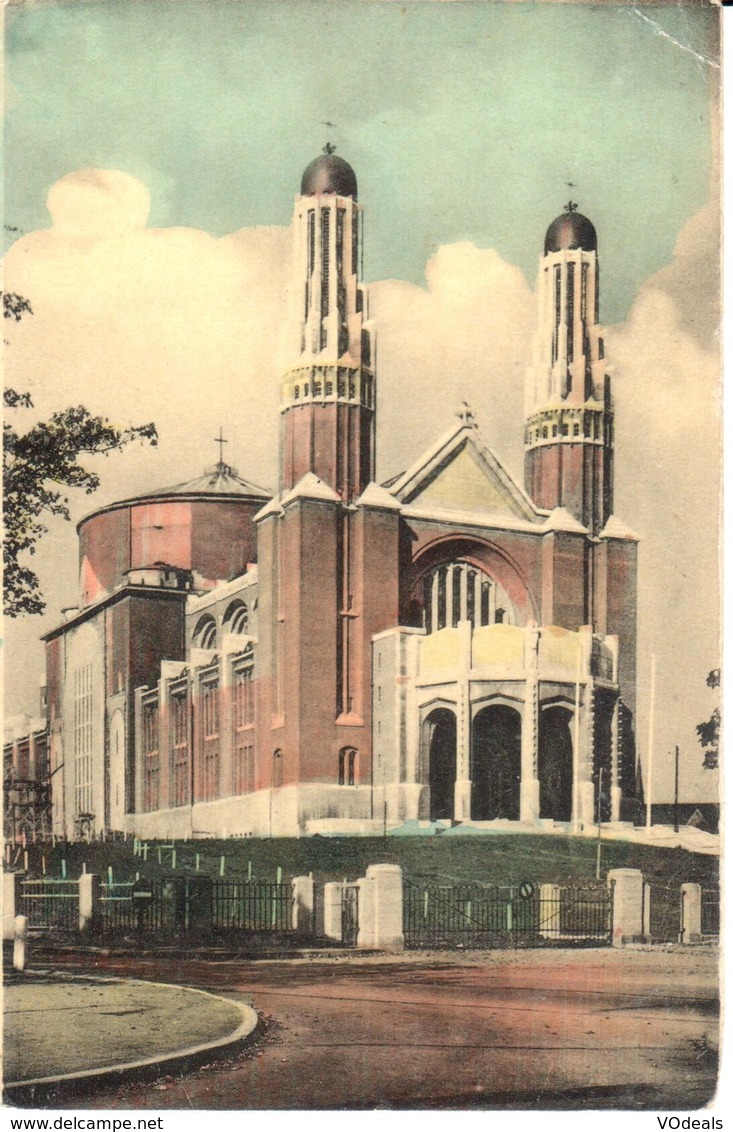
[(153, 154)]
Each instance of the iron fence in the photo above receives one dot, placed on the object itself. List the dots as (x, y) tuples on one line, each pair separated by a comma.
[(479, 916), (710, 913), (663, 913), (50, 903), (252, 906)]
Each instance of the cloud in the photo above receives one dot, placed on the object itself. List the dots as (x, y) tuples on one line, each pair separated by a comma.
[(185, 329), (668, 478)]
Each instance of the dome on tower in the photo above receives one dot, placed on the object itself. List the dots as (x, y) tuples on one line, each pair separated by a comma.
[(569, 232), (328, 173)]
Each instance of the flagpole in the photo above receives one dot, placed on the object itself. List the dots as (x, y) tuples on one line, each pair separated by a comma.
[(650, 737)]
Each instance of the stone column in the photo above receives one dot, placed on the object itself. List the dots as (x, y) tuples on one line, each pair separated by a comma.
[(333, 894), (462, 792), (388, 931), (139, 759), (691, 913), (628, 900), (615, 753), (303, 904), (89, 895), (11, 896), (587, 751), (20, 941), (367, 934), (529, 787)]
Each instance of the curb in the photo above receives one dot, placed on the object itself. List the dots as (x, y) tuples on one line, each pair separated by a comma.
[(34, 1089)]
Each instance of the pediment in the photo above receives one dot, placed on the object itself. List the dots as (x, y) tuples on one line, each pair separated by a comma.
[(462, 474)]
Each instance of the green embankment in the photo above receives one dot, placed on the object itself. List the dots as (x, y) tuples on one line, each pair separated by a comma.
[(496, 859)]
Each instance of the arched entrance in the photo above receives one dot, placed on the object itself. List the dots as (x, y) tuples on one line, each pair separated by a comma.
[(496, 763), (440, 740), (555, 764)]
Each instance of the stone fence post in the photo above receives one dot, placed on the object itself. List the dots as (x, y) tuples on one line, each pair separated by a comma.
[(303, 905), (333, 895), (628, 906), (89, 897), (20, 940), (380, 909), (550, 911), (11, 896), (691, 895)]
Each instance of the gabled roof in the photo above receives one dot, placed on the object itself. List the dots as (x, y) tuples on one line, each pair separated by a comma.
[(615, 528), (461, 473), (310, 487)]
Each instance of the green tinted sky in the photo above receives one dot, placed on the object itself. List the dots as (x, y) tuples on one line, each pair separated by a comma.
[(462, 120)]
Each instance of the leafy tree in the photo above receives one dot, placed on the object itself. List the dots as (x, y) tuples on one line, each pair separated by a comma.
[(37, 465), (708, 733)]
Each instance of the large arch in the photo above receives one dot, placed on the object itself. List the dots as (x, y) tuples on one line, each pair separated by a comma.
[(496, 763), (439, 736), (555, 763), (488, 557)]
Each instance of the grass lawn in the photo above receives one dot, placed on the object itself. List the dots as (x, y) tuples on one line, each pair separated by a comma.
[(501, 858)]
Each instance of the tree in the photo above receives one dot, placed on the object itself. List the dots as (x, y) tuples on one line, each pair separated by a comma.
[(37, 465), (708, 733)]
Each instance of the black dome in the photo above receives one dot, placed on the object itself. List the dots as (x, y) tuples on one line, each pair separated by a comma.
[(571, 231), (328, 173)]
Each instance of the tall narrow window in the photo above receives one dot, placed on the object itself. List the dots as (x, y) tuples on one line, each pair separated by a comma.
[(347, 766), (207, 784), (83, 739), (243, 721), (325, 260), (151, 753), (571, 310), (558, 297), (180, 752)]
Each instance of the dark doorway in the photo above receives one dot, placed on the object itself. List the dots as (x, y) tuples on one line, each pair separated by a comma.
[(440, 733), (496, 763), (555, 764)]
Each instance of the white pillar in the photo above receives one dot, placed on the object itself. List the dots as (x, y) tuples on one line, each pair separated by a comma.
[(367, 934), (615, 754), (449, 597), (88, 901), (433, 626), (387, 907), (628, 901), (333, 895), (303, 904), (20, 940), (11, 894), (691, 913), (462, 790)]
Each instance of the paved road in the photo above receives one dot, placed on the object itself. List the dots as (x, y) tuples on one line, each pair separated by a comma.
[(600, 1028)]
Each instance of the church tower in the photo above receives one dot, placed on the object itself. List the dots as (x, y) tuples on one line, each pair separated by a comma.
[(328, 395), (569, 419)]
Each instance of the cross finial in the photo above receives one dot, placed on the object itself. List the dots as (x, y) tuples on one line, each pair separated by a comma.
[(571, 206), (221, 442), (466, 414), (329, 148)]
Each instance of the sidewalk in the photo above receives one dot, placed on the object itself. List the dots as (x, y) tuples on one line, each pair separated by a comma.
[(60, 1028)]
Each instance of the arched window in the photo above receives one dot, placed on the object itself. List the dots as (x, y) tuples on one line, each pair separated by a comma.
[(236, 618), (277, 767), (463, 592), (347, 766), (204, 635)]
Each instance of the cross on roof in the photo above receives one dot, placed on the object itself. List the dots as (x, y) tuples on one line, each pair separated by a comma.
[(466, 414), (221, 442)]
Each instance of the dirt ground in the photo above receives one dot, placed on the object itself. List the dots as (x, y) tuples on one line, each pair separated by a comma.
[(631, 1029)]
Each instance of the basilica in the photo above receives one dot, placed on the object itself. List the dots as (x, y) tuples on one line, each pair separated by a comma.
[(348, 656)]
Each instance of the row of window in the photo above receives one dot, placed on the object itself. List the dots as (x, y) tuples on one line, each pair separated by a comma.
[(236, 620), (590, 424), (316, 389), (463, 592)]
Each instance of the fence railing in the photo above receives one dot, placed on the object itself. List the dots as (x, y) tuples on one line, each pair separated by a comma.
[(251, 906), (51, 904), (471, 915), (710, 913)]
